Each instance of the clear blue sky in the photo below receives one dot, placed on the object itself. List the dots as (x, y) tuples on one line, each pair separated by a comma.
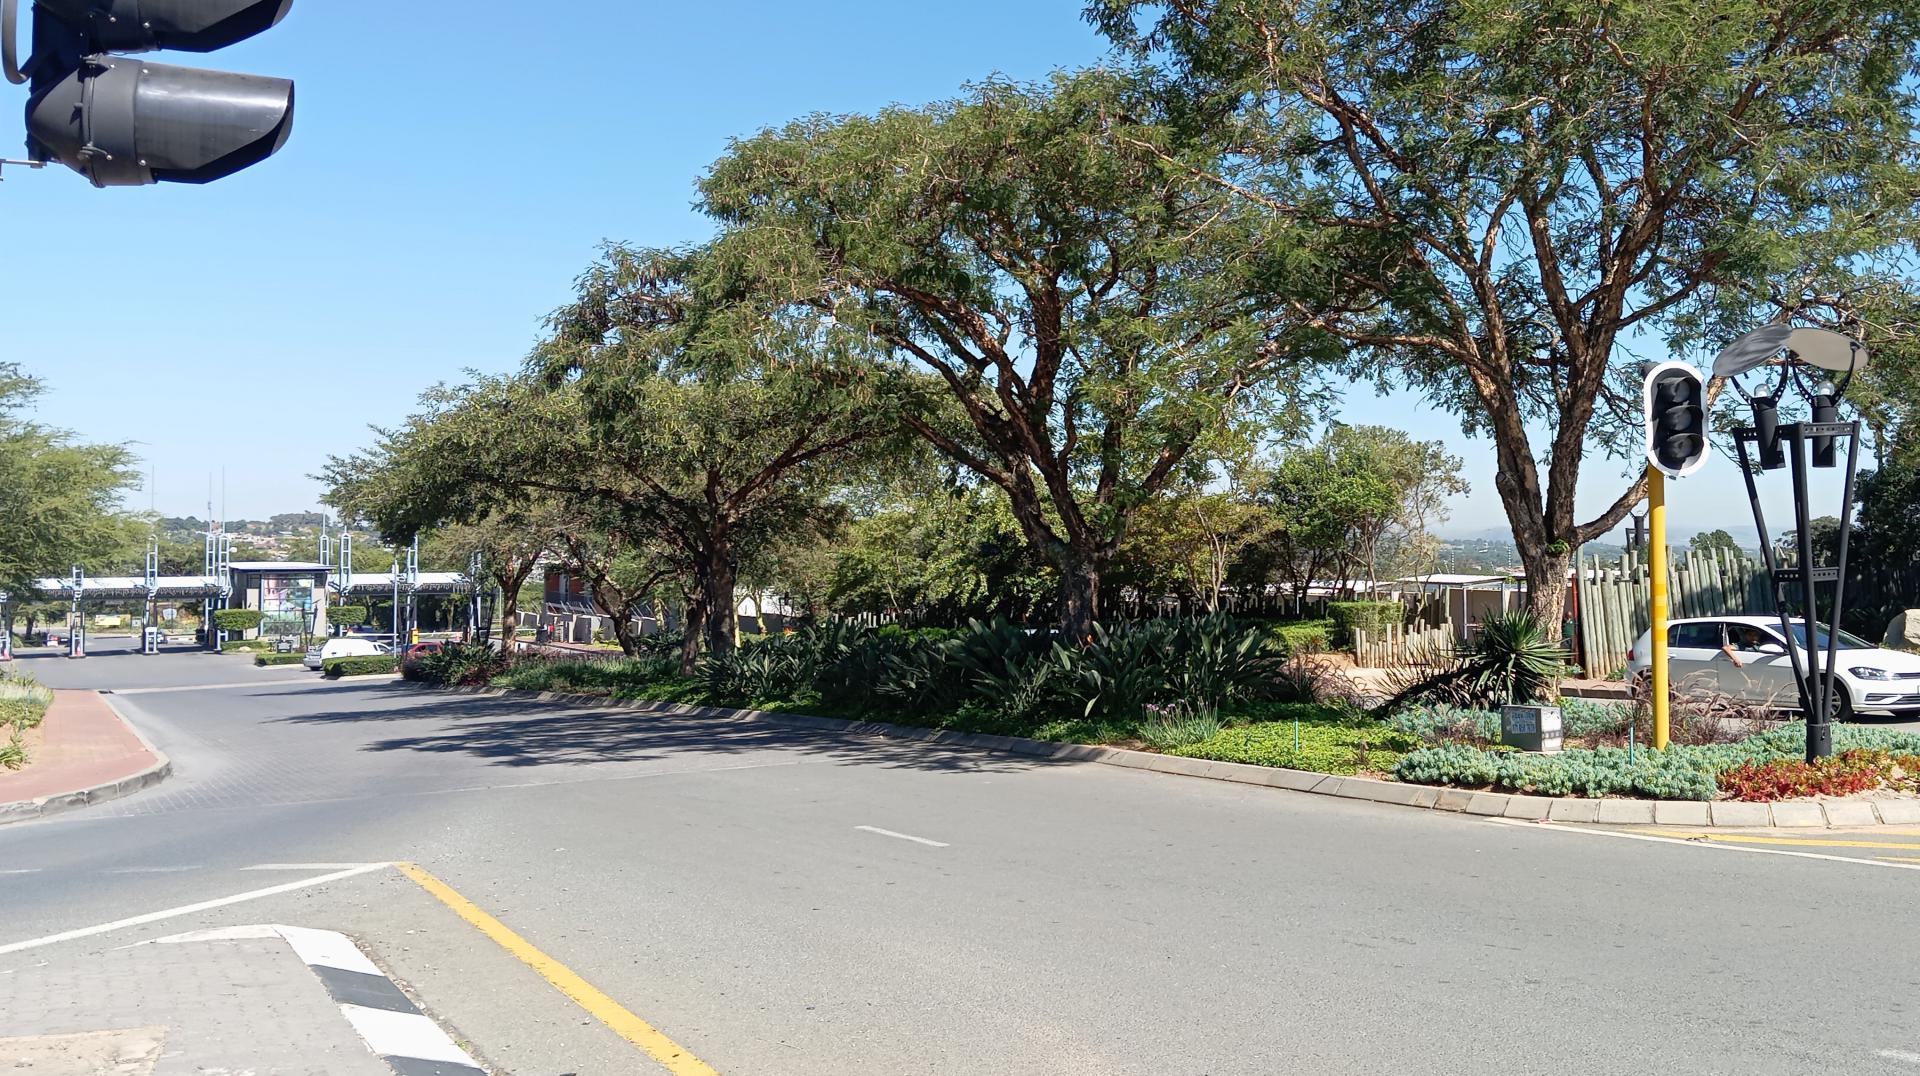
[(452, 169)]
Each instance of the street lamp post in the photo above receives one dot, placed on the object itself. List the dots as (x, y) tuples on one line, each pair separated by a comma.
[(1768, 445)]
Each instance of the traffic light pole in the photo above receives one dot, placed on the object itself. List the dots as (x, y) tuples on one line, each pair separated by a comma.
[(1657, 567)]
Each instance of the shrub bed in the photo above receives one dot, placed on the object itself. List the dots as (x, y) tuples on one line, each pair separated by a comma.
[(367, 665), (23, 705), (278, 659), (1845, 774), (1331, 741), (1680, 772)]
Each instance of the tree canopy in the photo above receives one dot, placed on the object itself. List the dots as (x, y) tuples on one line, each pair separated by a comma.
[(1517, 199), (1098, 314), (60, 499)]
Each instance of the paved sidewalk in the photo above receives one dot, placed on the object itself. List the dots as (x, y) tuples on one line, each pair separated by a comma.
[(84, 745), (247, 1006)]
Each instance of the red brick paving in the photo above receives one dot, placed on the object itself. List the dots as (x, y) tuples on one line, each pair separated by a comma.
[(84, 743)]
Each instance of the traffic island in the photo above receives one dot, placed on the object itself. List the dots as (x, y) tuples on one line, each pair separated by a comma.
[(86, 753)]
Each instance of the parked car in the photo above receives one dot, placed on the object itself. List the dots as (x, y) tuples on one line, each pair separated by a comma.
[(318, 656), (1746, 657)]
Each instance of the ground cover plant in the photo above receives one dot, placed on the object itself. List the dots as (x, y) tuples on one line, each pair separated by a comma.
[(23, 705)]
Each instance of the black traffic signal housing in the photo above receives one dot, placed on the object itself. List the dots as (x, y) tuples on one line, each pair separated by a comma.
[(1676, 419), (121, 121)]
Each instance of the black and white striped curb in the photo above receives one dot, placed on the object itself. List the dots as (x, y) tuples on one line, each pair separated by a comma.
[(387, 1020)]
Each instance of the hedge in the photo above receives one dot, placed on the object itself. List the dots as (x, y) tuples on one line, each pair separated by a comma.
[(279, 659), (246, 646), (368, 665), (1370, 617), (347, 616), (1305, 636), (237, 619)]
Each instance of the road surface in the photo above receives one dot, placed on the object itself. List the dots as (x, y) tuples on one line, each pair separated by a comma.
[(783, 903)]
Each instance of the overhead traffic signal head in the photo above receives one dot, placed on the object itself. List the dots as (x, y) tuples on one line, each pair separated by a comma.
[(1676, 418), (124, 122)]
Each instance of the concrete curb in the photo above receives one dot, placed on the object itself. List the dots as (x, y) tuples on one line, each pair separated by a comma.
[(61, 802), (1680, 814)]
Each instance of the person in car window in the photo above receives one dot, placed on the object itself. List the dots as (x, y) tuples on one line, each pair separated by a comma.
[(1749, 639)]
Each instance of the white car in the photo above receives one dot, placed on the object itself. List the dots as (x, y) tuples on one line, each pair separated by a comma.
[(343, 647), (1746, 657)]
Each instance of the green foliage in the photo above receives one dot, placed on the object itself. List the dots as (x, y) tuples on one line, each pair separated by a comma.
[(456, 663), (1512, 660), (365, 665), (1715, 541), (247, 646), (59, 498), (347, 616), (1670, 174), (1331, 741), (1444, 723), (1168, 728), (237, 619), (278, 659), (1370, 617), (1304, 636), (1145, 342), (1594, 717), (1679, 772)]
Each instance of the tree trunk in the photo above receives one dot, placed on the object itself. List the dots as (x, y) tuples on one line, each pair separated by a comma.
[(1547, 579), (692, 628), (721, 576), (1079, 598)]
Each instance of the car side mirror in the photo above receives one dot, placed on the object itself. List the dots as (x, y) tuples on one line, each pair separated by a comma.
[(1771, 648)]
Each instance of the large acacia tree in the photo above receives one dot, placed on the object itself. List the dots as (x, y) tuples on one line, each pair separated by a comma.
[(1098, 316), (1519, 192), (59, 497)]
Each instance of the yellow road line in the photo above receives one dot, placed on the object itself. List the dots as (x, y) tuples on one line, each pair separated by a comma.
[(671, 1055), (1740, 838)]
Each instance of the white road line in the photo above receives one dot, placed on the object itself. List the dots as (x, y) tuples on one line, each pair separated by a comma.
[(214, 687), (305, 866), (154, 870), (1683, 842), (1908, 1056), (188, 909), (903, 836)]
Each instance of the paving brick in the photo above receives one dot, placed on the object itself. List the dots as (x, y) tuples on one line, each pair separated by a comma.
[(1625, 812), (1681, 813), (1573, 811), (1899, 812), (1851, 813), (1740, 815), (1528, 808), (1799, 815), (234, 1006)]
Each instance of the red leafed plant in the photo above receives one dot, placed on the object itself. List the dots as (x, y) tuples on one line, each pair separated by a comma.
[(1843, 775)]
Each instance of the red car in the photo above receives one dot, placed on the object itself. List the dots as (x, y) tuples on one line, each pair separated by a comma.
[(421, 650)]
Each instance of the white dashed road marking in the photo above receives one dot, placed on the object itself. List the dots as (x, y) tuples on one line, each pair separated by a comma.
[(903, 836)]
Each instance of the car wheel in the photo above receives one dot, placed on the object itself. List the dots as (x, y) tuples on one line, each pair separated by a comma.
[(1843, 710)]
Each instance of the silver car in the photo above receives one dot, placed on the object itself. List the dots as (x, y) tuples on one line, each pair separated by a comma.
[(1747, 658)]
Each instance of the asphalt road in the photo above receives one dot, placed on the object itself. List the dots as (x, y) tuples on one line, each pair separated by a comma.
[(785, 902)]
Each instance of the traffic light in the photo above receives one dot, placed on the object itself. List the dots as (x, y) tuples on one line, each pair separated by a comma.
[(126, 122), (1676, 416)]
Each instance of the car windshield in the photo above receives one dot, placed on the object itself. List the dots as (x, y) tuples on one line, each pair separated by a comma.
[(1848, 641)]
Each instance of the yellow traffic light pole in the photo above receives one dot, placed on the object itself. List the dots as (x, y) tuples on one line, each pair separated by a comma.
[(1657, 570)]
